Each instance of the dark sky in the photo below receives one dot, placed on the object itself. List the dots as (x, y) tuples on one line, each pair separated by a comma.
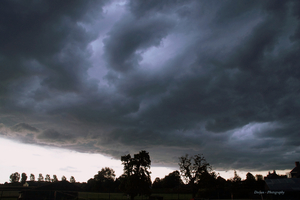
[(219, 78)]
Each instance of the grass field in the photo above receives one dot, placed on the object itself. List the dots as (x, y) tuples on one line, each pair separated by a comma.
[(9, 195), (13, 195), (120, 196)]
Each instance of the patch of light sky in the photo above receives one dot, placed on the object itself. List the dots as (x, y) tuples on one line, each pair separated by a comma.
[(155, 57), (32, 159), (248, 131), (176, 43)]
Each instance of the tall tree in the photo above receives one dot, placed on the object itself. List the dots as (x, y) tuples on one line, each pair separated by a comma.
[(128, 165), (14, 177), (23, 178), (191, 169), (136, 179)]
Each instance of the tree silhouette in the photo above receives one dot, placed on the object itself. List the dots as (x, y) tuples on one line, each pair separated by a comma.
[(55, 179), (172, 180), (191, 169), (104, 180), (220, 185), (250, 183), (14, 177), (260, 183), (259, 177), (250, 177), (208, 184), (235, 184), (92, 186), (72, 179), (236, 178), (136, 178), (63, 178), (32, 177), (105, 174), (47, 178), (40, 178), (128, 165), (157, 183), (23, 178)]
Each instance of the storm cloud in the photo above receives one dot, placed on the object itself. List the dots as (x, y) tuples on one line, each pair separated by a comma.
[(220, 78)]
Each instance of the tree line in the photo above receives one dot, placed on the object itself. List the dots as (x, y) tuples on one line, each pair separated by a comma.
[(195, 176), (15, 178)]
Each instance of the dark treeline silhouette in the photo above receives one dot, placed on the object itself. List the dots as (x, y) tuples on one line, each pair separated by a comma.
[(195, 176), (169, 183), (103, 181)]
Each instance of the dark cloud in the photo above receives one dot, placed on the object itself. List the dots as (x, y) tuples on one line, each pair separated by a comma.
[(175, 77), (52, 135), (24, 127), (142, 9), (130, 37), (45, 40)]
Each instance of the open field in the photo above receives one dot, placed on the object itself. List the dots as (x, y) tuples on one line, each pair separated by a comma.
[(9, 195), (13, 195), (120, 196)]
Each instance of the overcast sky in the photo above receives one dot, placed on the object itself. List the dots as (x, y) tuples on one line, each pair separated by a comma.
[(218, 78)]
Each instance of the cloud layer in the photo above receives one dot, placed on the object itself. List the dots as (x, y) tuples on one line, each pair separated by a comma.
[(171, 77)]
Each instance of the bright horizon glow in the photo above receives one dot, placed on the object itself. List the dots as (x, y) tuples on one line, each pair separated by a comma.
[(33, 159)]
